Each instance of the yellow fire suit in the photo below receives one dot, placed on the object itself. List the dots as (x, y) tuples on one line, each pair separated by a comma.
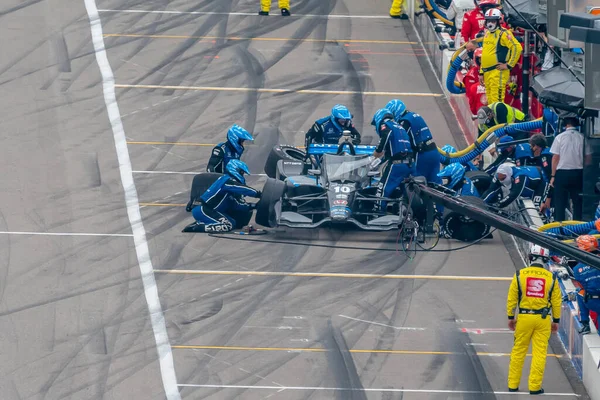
[(535, 290), (503, 114), (499, 47), (265, 5), (396, 9)]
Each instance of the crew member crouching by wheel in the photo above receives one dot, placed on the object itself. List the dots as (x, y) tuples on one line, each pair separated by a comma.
[(394, 146), (223, 199), (455, 225)]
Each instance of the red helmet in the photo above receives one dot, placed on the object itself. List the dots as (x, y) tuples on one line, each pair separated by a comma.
[(489, 3), (477, 56), (493, 14), (587, 243)]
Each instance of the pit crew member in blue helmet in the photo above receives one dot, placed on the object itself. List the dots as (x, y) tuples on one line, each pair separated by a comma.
[(394, 145), (223, 198), (506, 152), (425, 149), (470, 166), (521, 182), (588, 278), (232, 149), (328, 130), (542, 158), (453, 177)]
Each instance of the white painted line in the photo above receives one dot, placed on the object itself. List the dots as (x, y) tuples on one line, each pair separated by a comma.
[(157, 319), (382, 390), (400, 328), (181, 173), (245, 14), (67, 234)]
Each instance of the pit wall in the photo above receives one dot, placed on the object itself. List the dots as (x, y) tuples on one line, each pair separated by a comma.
[(584, 351)]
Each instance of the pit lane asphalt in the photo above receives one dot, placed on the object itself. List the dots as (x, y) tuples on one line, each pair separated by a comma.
[(73, 320)]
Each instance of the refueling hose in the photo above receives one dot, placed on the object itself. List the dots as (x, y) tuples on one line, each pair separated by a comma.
[(454, 86), (486, 139), (568, 228), (437, 12)]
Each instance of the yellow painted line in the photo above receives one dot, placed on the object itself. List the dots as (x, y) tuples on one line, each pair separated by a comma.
[(257, 39), (356, 351), (161, 205), (331, 275), (265, 90)]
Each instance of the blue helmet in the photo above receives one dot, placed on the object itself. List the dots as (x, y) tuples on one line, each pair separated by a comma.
[(378, 118), (236, 169), (506, 139), (340, 111), (397, 107), (449, 149), (454, 173), (236, 135)]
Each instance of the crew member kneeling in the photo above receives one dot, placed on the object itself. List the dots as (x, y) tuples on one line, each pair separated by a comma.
[(394, 144), (222, 199), (521, 181), (536, 292)]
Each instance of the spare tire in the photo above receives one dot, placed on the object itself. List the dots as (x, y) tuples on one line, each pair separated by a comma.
[(463, 228), (282, 152), (481, 179), (269, 204), (200, 184)]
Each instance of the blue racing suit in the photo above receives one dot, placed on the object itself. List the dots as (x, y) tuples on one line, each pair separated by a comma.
[(327, 131), (221, 199), (526, 182), (523, 155), (395, 144), (427, 155), (466, 188), (589, 278), (220, 156)]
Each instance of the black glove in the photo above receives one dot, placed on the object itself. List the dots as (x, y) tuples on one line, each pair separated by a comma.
[(258, 194), (252, 206)]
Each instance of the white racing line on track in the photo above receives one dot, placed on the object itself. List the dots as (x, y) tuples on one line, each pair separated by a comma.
[(244, 14), (381, 390), (157, 319)]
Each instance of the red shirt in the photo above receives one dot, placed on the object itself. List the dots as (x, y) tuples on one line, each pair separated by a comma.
[(477, 97), (472, 77), (473, 23)]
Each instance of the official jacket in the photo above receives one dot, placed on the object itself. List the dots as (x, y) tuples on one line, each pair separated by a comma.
[(533, 289)]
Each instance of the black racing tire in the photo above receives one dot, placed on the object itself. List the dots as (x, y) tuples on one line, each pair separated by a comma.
[(282, 152), (200, 184), (465, 229), (481, 179), (272, 193)]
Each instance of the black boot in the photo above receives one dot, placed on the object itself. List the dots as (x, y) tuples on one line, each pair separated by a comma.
[(585, 327), (194, 227), (285, 12), (541, 391), (263, 13), (513, 390)]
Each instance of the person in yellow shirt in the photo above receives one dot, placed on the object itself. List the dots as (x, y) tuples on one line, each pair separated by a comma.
[(284, 6), (536, 292), (501, 52), (396, 10), (500, 113)]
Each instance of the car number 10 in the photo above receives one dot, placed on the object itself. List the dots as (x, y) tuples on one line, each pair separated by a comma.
[(342, 189)]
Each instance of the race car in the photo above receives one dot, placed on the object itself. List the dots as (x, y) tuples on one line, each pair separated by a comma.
[(285, 160), (341, 191)]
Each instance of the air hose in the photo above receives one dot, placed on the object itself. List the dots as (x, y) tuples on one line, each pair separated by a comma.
[(568, 228), (437, 12), (486, 139), (460, 55)]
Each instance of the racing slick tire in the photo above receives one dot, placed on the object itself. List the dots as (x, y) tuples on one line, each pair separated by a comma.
[(282, 152), (463, 228), (481, 179), (266, 208), (200, 184)]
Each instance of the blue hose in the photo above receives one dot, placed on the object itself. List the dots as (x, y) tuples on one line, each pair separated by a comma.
[(484, 144), (573, 230), (450, 84)]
